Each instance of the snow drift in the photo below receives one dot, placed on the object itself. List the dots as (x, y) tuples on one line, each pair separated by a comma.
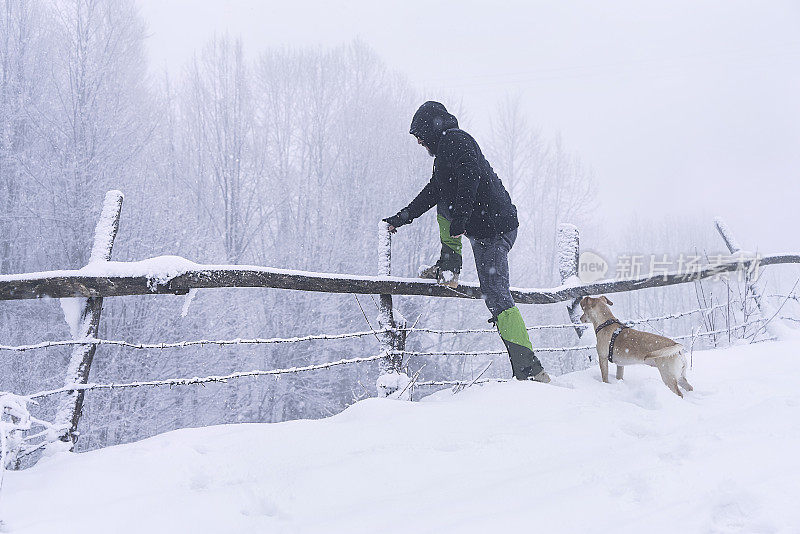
[(573, 456)]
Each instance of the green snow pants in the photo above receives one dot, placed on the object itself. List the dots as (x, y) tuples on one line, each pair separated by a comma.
[(450, 258), (491, 261)]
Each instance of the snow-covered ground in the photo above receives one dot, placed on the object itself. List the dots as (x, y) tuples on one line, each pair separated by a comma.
[(574, 456)]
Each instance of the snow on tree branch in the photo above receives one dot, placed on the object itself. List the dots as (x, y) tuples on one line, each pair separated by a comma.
[(14, 420)]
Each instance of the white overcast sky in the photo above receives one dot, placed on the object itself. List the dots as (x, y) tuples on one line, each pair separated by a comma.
[(684, 107)]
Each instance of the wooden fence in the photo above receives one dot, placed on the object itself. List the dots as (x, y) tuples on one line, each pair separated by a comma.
[(103, 278)]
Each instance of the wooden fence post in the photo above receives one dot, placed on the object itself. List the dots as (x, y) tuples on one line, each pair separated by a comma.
[(734, 247), (568, 241), (85, 326), (395, 338)]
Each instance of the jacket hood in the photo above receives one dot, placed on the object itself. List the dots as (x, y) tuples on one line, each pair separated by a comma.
[(430, 120)]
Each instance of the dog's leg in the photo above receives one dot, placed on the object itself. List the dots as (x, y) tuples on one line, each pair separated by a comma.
[(670, 380), (603, 360), (620, 370), (682, 382)]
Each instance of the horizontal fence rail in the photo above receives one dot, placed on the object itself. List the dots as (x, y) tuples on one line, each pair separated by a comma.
[(93, 282)]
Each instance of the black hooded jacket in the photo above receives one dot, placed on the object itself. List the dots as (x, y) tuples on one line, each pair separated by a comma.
[(462, 180)]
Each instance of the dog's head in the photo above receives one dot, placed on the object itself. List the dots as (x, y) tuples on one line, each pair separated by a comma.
[(591, 306)]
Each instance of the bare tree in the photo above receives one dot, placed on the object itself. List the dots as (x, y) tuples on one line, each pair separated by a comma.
[(219, 110), (90, 121), (21, 72)]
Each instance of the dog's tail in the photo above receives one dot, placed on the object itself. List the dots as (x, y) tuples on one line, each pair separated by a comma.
[(666, 352)]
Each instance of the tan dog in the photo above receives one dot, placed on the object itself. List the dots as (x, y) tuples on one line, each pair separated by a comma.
[(618, 344)]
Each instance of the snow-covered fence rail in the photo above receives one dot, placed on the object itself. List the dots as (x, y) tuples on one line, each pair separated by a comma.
[(176, 276), (83, 291)]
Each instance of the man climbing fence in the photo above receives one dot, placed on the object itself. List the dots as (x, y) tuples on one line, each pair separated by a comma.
[(470, 200)]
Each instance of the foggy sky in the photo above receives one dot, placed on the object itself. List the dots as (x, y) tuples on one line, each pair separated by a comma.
[(683, 107)]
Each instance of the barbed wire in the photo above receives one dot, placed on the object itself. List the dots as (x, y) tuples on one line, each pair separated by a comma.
[(566, 349), (316, 337), (314, 367), (788, 297), (202, 380), (182, 344), (344, 336), (722, 330), (486, 352), (347, 361), (34, 447), (491, 330), (432, 383), (568, 325), (678, 315)]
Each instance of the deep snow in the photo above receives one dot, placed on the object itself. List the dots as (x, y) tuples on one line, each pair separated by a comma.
[(574, 456)]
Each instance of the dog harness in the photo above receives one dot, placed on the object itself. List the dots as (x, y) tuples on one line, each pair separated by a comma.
[(614, 335)]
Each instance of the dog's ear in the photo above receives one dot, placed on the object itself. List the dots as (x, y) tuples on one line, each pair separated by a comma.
[(605, 298), (583, 302)]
